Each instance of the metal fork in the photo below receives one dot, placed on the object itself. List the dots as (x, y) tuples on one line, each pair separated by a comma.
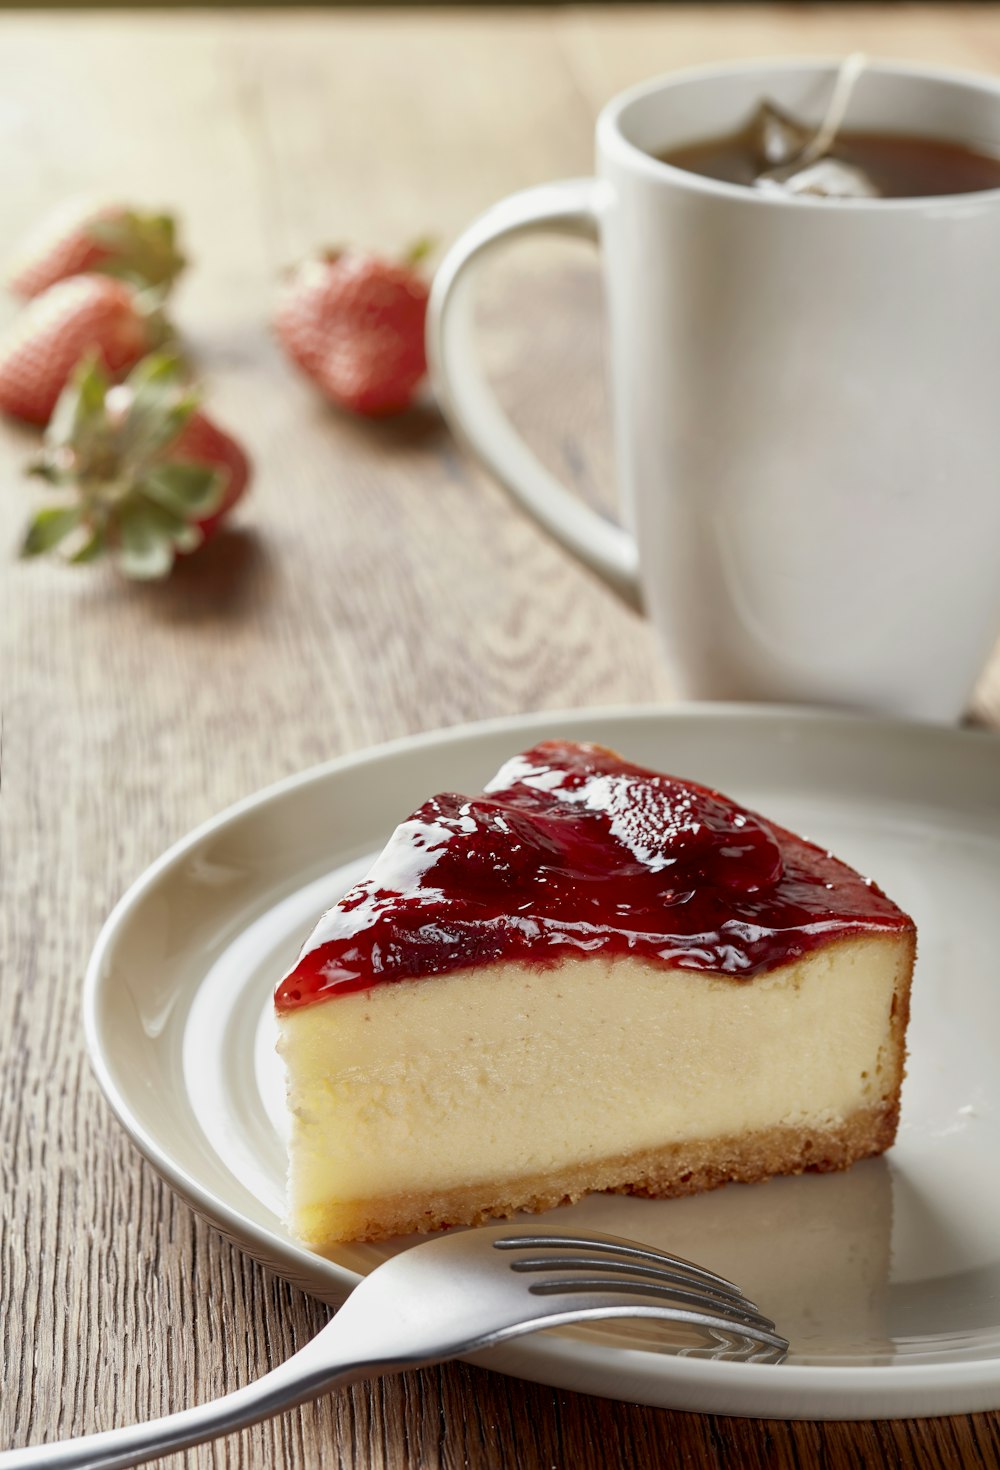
[(447, 1296)]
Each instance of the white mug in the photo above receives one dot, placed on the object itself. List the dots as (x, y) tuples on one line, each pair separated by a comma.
[(806, 396)]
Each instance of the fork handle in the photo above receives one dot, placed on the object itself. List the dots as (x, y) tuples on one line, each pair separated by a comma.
[(283, 1388)]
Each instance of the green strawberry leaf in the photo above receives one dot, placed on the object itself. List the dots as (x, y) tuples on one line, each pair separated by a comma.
[(157, 374), (48, 527), (142, 248), (162, 402), (192, 491), (45, 469), (185, 534), (79, 412), (188, 538), (95, 546), (145, 549), (111, 447), (419, 250)]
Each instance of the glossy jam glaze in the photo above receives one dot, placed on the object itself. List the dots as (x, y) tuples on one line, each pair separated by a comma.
[(573, 851)]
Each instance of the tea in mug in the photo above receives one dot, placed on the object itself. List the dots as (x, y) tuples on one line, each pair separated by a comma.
[(882, 165)]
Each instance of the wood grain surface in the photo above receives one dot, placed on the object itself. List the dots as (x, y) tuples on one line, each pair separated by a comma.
[(376, 583)]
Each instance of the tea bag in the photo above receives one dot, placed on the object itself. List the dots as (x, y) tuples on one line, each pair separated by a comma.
[(793, 157), (776, 137), (829, 178)]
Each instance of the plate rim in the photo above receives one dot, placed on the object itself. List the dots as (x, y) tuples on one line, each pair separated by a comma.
[(898, 1387)]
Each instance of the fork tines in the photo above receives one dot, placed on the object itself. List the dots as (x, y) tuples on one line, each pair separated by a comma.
[(611, 1245), (606, 1269)]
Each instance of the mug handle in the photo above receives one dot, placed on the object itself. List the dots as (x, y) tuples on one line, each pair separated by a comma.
[(570, 207)]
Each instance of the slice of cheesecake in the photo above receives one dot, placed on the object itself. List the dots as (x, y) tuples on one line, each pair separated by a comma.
[(591, 977)]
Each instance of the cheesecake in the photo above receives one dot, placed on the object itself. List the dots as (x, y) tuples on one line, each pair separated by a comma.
[(592, 976)]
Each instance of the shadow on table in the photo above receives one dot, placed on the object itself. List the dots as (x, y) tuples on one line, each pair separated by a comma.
[(419, 427), (228, 574)]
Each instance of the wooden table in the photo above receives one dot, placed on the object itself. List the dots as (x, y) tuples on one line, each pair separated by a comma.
[(375, 584)]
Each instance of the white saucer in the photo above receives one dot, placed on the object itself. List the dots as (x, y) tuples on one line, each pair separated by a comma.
[(885, 1279)]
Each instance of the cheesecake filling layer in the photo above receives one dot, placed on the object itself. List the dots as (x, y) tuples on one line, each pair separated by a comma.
[(514, 1074)]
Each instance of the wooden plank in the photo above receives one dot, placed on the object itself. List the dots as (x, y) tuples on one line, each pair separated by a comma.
[(376, 583)]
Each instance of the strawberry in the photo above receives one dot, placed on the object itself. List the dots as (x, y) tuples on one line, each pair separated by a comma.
[(56, 329), (354, 323), (143, 473), (84, 237), (202, 442)]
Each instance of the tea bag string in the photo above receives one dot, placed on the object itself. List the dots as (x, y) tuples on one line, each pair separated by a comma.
[(828, 129)]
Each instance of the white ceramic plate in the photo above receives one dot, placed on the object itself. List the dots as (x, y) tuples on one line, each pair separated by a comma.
[(885, 1279)]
